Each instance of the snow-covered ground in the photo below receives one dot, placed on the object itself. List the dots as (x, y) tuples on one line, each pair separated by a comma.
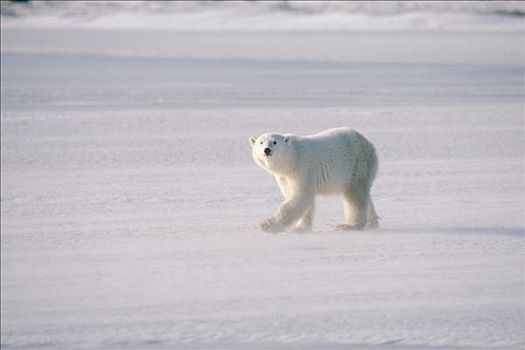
[(499, 16), (130, 202)]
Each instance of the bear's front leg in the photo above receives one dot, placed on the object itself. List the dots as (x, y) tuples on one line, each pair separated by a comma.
[(290, 211), (305, 223)]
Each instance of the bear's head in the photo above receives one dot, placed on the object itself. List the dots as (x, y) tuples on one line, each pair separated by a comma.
[(273, 152)]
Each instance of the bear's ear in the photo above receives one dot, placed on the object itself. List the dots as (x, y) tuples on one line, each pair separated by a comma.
[(287, 139), (252, 140)]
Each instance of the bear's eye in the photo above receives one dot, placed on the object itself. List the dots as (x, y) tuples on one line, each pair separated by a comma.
[(261, 142), (274, 143)]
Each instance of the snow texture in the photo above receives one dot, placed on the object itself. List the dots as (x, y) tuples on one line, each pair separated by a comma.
[(130, 204)]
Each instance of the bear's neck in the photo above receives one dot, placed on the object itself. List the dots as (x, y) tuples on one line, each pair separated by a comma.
[(284, 168)]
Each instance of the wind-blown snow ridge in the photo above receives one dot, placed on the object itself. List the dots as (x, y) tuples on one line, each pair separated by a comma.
[(267, 16)]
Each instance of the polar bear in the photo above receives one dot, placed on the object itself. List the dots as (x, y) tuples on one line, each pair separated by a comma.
[(335, 161)]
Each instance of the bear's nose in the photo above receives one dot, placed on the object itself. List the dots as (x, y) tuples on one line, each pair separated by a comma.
[(267, 151)]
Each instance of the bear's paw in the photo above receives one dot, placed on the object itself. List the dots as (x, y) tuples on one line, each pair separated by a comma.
[(270, 225)]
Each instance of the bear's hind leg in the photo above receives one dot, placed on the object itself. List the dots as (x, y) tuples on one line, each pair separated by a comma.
[(373, 219), (356, 202), (305, 223)]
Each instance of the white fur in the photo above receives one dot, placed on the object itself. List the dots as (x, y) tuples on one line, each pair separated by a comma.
[(335, 161)]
